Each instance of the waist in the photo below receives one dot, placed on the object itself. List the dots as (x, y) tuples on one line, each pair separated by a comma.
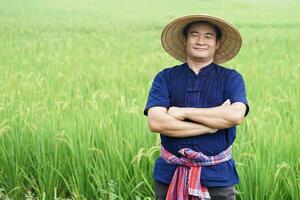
[(223, 174), (190, 158)]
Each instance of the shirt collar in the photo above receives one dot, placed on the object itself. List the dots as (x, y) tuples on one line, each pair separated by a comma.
[(203, 71)]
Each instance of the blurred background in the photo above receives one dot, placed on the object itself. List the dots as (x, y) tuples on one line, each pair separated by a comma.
[(75, 76)]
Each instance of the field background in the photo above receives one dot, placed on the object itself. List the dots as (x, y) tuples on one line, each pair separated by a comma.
[(74, 78)]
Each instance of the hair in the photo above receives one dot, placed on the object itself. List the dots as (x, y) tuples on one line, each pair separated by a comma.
[(188, 26)]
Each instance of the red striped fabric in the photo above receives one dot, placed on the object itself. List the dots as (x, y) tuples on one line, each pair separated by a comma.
[(185, 184)]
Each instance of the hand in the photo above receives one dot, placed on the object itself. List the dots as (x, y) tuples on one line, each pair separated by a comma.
[(211, 130), (176, 112)]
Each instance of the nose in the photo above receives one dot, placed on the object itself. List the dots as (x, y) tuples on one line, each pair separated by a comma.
[(200, 40)]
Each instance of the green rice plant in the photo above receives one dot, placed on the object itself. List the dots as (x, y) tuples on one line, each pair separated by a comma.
[(74, 78)]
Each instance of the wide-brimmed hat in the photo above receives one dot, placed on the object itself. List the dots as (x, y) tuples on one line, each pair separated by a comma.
[(172, 38)]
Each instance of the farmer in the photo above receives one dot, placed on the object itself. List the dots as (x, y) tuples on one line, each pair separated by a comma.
[(196, 106)]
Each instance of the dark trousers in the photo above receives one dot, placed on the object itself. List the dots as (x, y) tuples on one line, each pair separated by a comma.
[(216, 193)]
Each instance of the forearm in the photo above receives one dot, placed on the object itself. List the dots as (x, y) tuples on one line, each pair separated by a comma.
[(213, 117), (169, 126), (219, 117)]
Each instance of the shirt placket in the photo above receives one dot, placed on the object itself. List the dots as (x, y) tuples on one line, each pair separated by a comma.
[(194, 88)]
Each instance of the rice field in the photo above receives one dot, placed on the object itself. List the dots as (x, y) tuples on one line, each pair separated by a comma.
[(74, 78)]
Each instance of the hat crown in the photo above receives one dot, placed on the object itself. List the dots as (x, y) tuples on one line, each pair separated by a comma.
[(172, 38)]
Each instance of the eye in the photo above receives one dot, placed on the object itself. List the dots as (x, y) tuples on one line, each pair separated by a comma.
[(210, 36)]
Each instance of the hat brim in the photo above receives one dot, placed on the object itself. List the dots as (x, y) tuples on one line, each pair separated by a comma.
[(172, 38)]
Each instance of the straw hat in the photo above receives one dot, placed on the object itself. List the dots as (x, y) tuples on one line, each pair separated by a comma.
[(172, 38)]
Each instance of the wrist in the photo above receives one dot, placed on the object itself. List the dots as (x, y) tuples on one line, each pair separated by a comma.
[(185, 112)]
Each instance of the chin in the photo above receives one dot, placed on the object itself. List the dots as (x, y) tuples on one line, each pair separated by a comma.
[(198, 57)]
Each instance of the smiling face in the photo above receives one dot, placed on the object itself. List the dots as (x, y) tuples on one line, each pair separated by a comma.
[(201, 42)]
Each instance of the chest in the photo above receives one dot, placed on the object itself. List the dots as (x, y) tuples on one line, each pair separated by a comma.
[(197, 90)]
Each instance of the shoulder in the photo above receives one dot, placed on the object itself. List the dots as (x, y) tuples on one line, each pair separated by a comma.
[(169, 72), (227, 72)]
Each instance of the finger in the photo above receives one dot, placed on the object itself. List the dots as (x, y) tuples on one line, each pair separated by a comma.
[(227, 102)]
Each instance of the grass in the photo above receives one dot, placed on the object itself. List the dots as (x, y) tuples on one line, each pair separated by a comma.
[(74, 81)]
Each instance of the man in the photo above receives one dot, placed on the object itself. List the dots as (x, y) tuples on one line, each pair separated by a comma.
[(195, 107)]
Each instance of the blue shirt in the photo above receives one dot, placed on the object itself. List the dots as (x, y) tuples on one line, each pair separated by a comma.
[(181, 87)]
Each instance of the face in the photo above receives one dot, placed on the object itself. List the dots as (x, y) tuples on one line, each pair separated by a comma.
[(201, 42)]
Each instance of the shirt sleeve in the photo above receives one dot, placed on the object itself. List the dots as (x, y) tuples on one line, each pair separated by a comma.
[(235, 89), (158, 94)]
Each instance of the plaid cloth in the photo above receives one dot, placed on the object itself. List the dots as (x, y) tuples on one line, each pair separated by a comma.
[(185, 183)]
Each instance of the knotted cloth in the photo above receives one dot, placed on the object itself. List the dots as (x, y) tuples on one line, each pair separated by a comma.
[(186, 183)]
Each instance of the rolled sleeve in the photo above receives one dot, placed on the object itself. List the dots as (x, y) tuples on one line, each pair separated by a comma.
[(158, 94), (235, 89)]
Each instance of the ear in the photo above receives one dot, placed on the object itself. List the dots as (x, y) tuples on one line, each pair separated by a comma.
[(218, 43), (184, 41)]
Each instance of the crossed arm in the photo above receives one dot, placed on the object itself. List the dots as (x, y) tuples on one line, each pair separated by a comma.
[(205, 120)]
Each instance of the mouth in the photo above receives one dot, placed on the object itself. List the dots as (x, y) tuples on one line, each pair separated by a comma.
[(199, 49)]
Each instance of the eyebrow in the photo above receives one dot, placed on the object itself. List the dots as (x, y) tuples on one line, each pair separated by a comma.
[(212, 34)]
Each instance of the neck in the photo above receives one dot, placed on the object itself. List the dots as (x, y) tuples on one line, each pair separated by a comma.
[(197, 65)]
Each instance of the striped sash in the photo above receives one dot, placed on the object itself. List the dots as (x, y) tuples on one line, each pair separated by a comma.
[(185, 183)]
